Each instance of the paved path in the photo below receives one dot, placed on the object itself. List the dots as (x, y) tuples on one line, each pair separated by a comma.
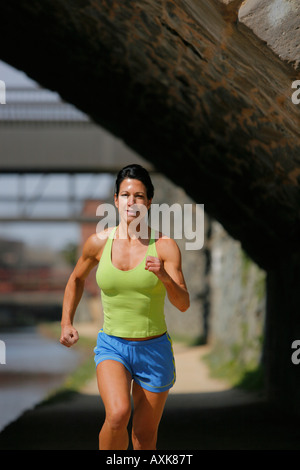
[(201, 413), (193, 378), (192, 373)]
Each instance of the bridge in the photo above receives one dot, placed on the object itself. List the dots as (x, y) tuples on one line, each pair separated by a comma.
[(201, 91), (43, 137)]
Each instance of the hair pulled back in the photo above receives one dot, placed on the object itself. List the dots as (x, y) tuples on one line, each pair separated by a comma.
[(137, 172)]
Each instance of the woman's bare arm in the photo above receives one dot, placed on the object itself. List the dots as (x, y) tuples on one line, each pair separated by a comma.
[(168, 269), (74, 289)]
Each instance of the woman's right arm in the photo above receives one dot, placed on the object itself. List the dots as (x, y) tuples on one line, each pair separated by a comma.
[(74, 289)]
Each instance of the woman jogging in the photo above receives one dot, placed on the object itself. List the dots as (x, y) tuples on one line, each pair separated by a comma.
[(134, 352)]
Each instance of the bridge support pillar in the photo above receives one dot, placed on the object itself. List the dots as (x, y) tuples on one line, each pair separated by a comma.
[(282, 340)]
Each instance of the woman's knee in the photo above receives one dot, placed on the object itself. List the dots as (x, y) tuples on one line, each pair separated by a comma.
[(118, 416), (144, 437)]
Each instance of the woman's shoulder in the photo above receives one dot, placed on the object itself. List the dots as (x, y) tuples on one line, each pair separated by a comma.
[(164, 243), (95, 243), (162, 237), (104, 234)]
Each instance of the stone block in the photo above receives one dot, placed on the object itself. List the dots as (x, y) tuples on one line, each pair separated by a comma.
[(277, 22)]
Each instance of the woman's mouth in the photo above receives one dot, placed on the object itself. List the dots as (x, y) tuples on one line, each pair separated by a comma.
[(133, 213)]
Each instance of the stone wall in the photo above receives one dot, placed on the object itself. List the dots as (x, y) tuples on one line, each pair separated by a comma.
[(277, 23), (238, 298)]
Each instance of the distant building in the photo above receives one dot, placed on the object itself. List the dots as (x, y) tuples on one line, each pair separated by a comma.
[(27, 269), (11, 253)]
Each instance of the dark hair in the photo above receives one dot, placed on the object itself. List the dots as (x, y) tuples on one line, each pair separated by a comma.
[(136, 172)]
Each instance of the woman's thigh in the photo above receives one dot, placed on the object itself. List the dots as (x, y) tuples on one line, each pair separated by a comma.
[(148, 408), (114, 383)]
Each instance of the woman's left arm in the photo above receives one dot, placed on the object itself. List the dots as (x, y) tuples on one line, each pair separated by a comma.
[(168, 269)]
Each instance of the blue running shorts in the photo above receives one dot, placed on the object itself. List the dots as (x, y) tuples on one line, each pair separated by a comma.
[(150, 362)]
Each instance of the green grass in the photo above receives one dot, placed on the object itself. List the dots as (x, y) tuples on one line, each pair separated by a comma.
[(252, 380), (73, 383), (230, 366), (83, 374)]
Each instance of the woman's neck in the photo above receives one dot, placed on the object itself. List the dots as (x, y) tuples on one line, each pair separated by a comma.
[(133, 231)]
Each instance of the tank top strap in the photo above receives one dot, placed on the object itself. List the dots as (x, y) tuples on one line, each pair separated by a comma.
[(152, 246), (112, 233), (106, 255)]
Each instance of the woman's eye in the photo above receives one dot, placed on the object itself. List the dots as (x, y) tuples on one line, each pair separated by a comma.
[(137, 196)]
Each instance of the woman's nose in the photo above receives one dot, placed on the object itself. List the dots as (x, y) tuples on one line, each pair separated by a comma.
[(131, 200)]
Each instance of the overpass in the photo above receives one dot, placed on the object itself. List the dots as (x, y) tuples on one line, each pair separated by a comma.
[(202, 89), (44, 136), (41, 133)]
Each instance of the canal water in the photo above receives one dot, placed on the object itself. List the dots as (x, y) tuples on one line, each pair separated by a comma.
[(34, 366)]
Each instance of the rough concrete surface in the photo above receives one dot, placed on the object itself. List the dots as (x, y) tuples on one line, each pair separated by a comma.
[(277, 22), (201, 413)]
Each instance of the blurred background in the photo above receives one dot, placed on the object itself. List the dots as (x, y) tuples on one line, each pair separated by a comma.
[(56, 168)]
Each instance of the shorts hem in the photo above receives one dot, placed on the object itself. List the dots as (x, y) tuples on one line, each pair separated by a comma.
[(112, 358), (153, 388), (161, 359)]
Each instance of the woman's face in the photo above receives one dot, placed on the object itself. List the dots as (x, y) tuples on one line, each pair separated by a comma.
[(132, 194)]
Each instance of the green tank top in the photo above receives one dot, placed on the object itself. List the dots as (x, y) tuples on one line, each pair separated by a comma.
[(133, 300)]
